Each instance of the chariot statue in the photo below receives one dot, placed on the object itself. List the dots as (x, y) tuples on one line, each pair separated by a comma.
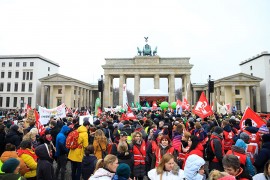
[(146, 50)]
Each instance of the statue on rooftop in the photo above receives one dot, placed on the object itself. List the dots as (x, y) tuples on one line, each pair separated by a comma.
[(146, 49)]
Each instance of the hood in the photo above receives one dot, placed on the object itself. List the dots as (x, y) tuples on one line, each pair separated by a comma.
[(102, 172), (65, 129), (87, 160), (252, 129), (227, 128), (192, 166), (241, 144), (82, 129), (43, 152), (238, 149)]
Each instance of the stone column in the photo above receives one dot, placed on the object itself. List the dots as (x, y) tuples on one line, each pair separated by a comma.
[(122, 80), (63, 94), (171, 88), (91, 98), (188, 88), (233, 96), (247, 96), (136, 88), (194, 99), (156, 81), (72, 96), (76, 97), (81, 97), (42, 95), (218, 94), (84, 97), (111, 92), (222, 94), (184, 88), (258, 98), (214, 99), (51, 96), (107, 90)]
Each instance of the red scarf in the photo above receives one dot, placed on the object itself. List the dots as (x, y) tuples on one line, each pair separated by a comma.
[(27, 151)]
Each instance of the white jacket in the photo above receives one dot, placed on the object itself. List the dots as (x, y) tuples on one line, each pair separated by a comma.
[(166, 175), (260, 176), (102, 174)]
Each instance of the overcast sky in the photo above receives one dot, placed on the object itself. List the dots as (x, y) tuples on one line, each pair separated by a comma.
[(79, 35)]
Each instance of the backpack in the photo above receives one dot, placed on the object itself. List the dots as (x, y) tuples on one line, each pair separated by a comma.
[(72, 140), (208, 151)]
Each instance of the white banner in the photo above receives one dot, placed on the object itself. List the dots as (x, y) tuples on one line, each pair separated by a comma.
[(45, 114), (90, 119), (125, 99)]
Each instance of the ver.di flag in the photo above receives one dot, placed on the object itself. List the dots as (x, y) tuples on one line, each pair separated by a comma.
[(202, 108), (250, 114)]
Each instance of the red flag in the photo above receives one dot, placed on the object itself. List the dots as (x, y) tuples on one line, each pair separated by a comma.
[(202, 108), (185, 104), (129, 109), (40, 127), (250, 114), (99, 111), (129, 114), (154, 105)]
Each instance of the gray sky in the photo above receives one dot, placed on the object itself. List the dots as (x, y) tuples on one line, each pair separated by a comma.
[(79, 35)]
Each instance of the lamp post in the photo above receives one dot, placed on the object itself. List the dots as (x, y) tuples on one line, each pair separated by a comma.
[(100, 89)]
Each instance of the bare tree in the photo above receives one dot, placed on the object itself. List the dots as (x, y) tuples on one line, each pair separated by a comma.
[(130, 96), (178, 93)]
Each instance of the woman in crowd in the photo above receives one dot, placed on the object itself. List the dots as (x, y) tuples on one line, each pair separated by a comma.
[(164, 148), (139, 153), (195, 147), (100, 143), (194, 168), (30, 159), (166, 170), (105, 169), (266, 173)]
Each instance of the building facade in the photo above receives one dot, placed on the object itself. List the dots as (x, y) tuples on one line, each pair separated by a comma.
[(259, 66), (57, 89), (240, 90), (19, 79)]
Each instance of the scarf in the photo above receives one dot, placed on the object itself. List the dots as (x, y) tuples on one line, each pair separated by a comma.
[(27, 151)]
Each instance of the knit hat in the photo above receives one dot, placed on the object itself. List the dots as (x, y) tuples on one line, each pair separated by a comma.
[(123, 170), (245, 137), (218, 130), (240, 143), (123, 133), (266, 138), (10, 165), (14, 127)]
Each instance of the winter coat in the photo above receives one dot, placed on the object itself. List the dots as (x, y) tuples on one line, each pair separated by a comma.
[(61, 141), (14, 137), (262, 157), (30, 162), (102, 174), (172, 175), (77, 154), (2, 142), (11, 176), (99, 146), (88, 166), (192, 167), (13, 154), (261, 176), (44, 167)]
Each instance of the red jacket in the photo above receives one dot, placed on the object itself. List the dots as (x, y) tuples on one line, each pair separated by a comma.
[(253, 137), (242, 157), (139, 154), (228, 139), (159, 156)]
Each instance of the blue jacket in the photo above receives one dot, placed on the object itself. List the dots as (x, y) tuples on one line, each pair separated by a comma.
[(61, 141)]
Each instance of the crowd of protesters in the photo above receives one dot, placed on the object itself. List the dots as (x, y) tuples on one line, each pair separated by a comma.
[(155, 145)]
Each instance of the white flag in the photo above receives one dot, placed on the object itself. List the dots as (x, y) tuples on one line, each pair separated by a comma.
[(125, 99)]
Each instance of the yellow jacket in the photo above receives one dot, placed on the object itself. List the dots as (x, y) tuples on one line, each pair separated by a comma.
[(77, 154), (31, 164)]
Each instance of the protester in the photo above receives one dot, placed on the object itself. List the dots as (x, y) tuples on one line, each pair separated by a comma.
[(166, 170), (105, 169), (194, 168), (44, 165), (100, 144), (89, 162), (122, 172), (11, 170), (266, 173)]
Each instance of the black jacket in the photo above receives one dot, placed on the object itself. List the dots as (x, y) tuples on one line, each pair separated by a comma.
[(88, 166), (14, 137), (44, 165)]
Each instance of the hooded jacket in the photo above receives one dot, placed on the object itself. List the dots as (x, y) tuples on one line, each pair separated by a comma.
[(44, 167), (61, 141), (102, 174), (77, 154), (13, 136), (192, 167)]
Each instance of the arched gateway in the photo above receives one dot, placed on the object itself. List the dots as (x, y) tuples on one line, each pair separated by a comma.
[(146, 66)]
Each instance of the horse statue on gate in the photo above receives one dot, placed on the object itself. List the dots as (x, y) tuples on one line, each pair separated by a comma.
[(147, 50), (155, 51), (139, 51)]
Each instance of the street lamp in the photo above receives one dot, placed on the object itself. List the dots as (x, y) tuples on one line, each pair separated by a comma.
[(100, 89)]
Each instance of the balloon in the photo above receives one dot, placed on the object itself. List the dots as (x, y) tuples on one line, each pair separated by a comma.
[(173, 105), (164, 105)]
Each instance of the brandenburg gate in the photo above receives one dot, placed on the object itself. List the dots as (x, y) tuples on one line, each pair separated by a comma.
[(146, 65)]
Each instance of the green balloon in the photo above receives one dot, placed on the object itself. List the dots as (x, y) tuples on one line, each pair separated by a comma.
[(173, 105), (164, 105)]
